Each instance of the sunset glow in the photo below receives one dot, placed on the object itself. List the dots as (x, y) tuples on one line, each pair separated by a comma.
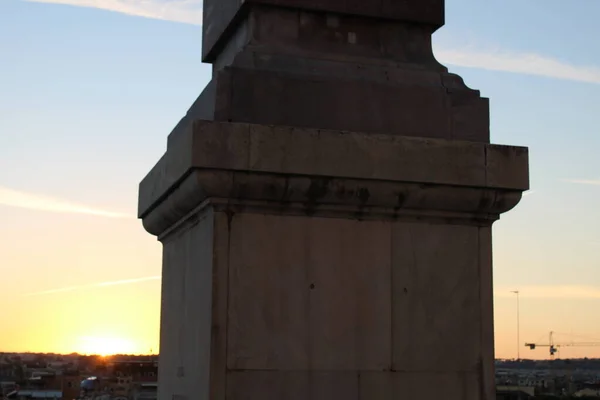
[(93, 88), (106, 346)]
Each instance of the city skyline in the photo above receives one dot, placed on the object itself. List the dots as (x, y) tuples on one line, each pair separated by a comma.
[(90, 94)]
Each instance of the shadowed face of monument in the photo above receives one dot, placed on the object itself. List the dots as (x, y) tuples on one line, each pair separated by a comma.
[(350, 65), (315, 245), (220, 16)]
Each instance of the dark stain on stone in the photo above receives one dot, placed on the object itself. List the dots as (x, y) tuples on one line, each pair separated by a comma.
[(363, 195), (312, 286), (194, 220), (287, 192), (400, 200), (360, 214), (340, 192), (230, 214), (405, 291), (318, 189), (485, 202), (271, 189), (239, 186)]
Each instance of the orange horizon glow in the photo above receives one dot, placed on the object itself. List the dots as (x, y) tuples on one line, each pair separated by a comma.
[(94, 287), (105, 346)]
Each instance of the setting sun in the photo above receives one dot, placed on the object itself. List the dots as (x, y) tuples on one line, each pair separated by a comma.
[(105, 346)]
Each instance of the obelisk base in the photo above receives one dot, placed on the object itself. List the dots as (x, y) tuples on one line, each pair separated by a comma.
[(307, 264)]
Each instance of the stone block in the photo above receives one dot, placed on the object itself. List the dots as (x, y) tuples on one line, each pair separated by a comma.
[(321, 102), (516, 169), (292, 385), (437, 312), (309, 166), (325, 208), (308, 307), (488, 377), (319, 290), (419, 385), (221, 16), (186, 303)]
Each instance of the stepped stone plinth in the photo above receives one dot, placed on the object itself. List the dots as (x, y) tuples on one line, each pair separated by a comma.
[(326, 209)]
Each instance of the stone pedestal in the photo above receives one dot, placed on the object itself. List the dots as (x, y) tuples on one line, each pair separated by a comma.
[(312, 264), (326, 208)]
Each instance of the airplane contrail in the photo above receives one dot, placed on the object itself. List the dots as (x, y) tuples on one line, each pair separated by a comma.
[(593, 182), (95, 285), (518, 63), (184, 11), (15, 198), (190, 12)]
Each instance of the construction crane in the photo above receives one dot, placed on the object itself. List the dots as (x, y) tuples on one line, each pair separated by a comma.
[(553, 347)]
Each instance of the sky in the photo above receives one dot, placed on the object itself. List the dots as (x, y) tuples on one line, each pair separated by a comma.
[(90, 89)]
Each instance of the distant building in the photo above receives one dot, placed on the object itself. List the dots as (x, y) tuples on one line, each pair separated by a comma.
[(139, 371), (70, 385), (35, 394), (121, 386), (514, 393), (146, 391), (587, 393)]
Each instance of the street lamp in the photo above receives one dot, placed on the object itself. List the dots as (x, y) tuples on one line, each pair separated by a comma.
[(518, 327)]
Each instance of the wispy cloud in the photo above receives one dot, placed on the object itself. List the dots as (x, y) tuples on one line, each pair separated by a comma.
[(593, 182), (552, 292), (520, 63), (528, 193), (186, 11), (95, 285), (15, 198), (190, 12)]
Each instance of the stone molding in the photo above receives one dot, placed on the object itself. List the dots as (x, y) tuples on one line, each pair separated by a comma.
[(318, 172), (222, 17)]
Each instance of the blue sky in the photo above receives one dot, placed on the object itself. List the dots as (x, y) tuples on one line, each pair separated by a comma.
[(88, 96)]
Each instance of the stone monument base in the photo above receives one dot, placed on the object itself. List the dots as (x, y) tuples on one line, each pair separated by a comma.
[(313, 264)]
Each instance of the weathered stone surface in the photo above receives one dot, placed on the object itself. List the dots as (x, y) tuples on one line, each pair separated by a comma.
[(349, 280), (307, 167), (437, 315), (221, 16), (371, 106), (294, 152), (325, 208), (422, 385), (187, 299), (292, 65), (316, 303), (308, 306), (292, 385)]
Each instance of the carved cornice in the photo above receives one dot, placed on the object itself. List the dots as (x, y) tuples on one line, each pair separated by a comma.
[(288, 170)]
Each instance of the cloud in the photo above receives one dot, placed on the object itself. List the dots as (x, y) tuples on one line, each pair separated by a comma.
[(593, 182), (128, 281), (528, 193), (95, 285), (552, 292), (190, 12), (520, 63), (15, 198), (185, 11)]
